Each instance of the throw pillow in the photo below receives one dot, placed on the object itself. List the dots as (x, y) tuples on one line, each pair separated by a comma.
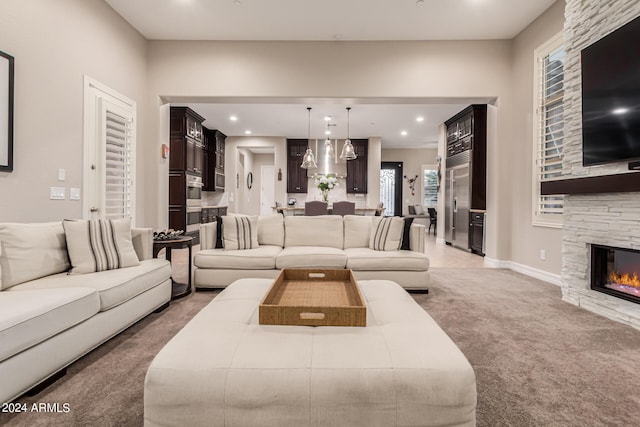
[(239, 232), (386, 234), (419, 210), (405, 234), (31, 251), (219, 233), (98, 245)]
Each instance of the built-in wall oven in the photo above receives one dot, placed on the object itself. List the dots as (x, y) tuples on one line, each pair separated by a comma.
[(194, 214), (194, 190), (194, 207)]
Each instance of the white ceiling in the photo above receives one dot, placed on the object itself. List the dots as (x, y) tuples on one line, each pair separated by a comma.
[(330, 20)]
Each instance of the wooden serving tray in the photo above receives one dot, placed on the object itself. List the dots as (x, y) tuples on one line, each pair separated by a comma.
[(314, 298)]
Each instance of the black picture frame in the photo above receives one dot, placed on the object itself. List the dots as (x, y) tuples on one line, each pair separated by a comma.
[(6, 111)]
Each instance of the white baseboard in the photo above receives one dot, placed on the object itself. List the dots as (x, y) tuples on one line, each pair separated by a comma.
[(524, 269)]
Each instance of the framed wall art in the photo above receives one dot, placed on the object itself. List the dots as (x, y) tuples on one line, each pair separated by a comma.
[(6, 112)]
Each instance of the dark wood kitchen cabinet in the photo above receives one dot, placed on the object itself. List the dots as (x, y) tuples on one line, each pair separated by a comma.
[(186, 141), (213, 156), (297, 180), (476, 232), (357, 169)]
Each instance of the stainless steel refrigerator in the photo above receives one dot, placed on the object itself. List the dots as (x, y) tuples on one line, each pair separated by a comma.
[(457, 200)]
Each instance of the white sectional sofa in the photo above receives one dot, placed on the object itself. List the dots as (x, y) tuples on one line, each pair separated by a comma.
[(327, 241), (49, 318)]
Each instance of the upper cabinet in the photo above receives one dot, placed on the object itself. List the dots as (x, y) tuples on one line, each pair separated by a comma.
[(357, 169), (296, 176), (213, 167), (186, 141)]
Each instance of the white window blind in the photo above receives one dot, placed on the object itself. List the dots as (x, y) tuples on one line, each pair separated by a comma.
[(549, 129), (109, 153), (118, 166), (430, 183)]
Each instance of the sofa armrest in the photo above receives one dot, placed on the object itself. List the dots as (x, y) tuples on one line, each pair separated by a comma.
[(417, 237), (142, 239), (208, 233)]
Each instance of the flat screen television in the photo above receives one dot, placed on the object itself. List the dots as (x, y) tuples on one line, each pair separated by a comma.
[(611, 97)]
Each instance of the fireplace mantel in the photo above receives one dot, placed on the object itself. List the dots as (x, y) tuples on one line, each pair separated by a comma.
[(620, 183)]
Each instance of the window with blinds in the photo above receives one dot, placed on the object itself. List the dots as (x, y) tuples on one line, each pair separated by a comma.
[(549, 129), (118, 166)]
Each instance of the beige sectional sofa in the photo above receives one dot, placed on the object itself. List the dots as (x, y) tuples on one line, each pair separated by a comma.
[(327, 241), (49, 318)]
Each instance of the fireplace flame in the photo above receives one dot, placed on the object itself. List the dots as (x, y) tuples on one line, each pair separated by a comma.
[(626, 279)]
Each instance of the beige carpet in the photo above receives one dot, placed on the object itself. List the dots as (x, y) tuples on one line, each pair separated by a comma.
[(538, 361)]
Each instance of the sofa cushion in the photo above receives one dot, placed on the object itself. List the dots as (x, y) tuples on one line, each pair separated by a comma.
[(311, 257), (386, 233), (260, 258), (271, 230), (366, 259), (99, 245), (321, 230), (114, 286), (31, 316), (239, 232), (30, 251), (357, 231)]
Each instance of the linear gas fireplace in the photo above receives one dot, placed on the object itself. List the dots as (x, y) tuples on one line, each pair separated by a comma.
[(616, 271)]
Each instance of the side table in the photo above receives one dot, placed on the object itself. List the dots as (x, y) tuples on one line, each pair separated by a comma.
[(178, 290)]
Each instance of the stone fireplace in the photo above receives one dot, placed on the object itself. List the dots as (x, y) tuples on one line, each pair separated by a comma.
[(607, 219)]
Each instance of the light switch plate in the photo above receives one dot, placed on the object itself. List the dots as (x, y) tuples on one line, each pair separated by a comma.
[(57, 193), (74, 194), (61, 174)]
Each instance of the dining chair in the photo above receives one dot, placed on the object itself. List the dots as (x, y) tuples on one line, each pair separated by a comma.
[(433, 220), (316, 207), (344, 208)]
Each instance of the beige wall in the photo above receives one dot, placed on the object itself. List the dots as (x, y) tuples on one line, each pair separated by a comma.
[(412, 161), (528, 240), (215, 70), (52, 58), (54, 44)]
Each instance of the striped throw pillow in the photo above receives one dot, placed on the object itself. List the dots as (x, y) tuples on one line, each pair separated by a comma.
[(98, 245), (386, 234), (239, 232)]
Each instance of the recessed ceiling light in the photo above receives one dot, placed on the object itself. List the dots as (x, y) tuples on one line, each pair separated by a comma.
[(403, 133), (419, 119), (327, 118), (233, 118), (620, 110), (419, 2), (237, 2), (327, 132), (247, 132)]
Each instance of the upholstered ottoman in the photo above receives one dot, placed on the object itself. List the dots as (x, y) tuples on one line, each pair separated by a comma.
[(224, 369)]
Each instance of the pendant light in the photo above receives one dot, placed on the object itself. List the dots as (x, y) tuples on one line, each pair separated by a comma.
[(329, 152), (348, 152), (308, 160)]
